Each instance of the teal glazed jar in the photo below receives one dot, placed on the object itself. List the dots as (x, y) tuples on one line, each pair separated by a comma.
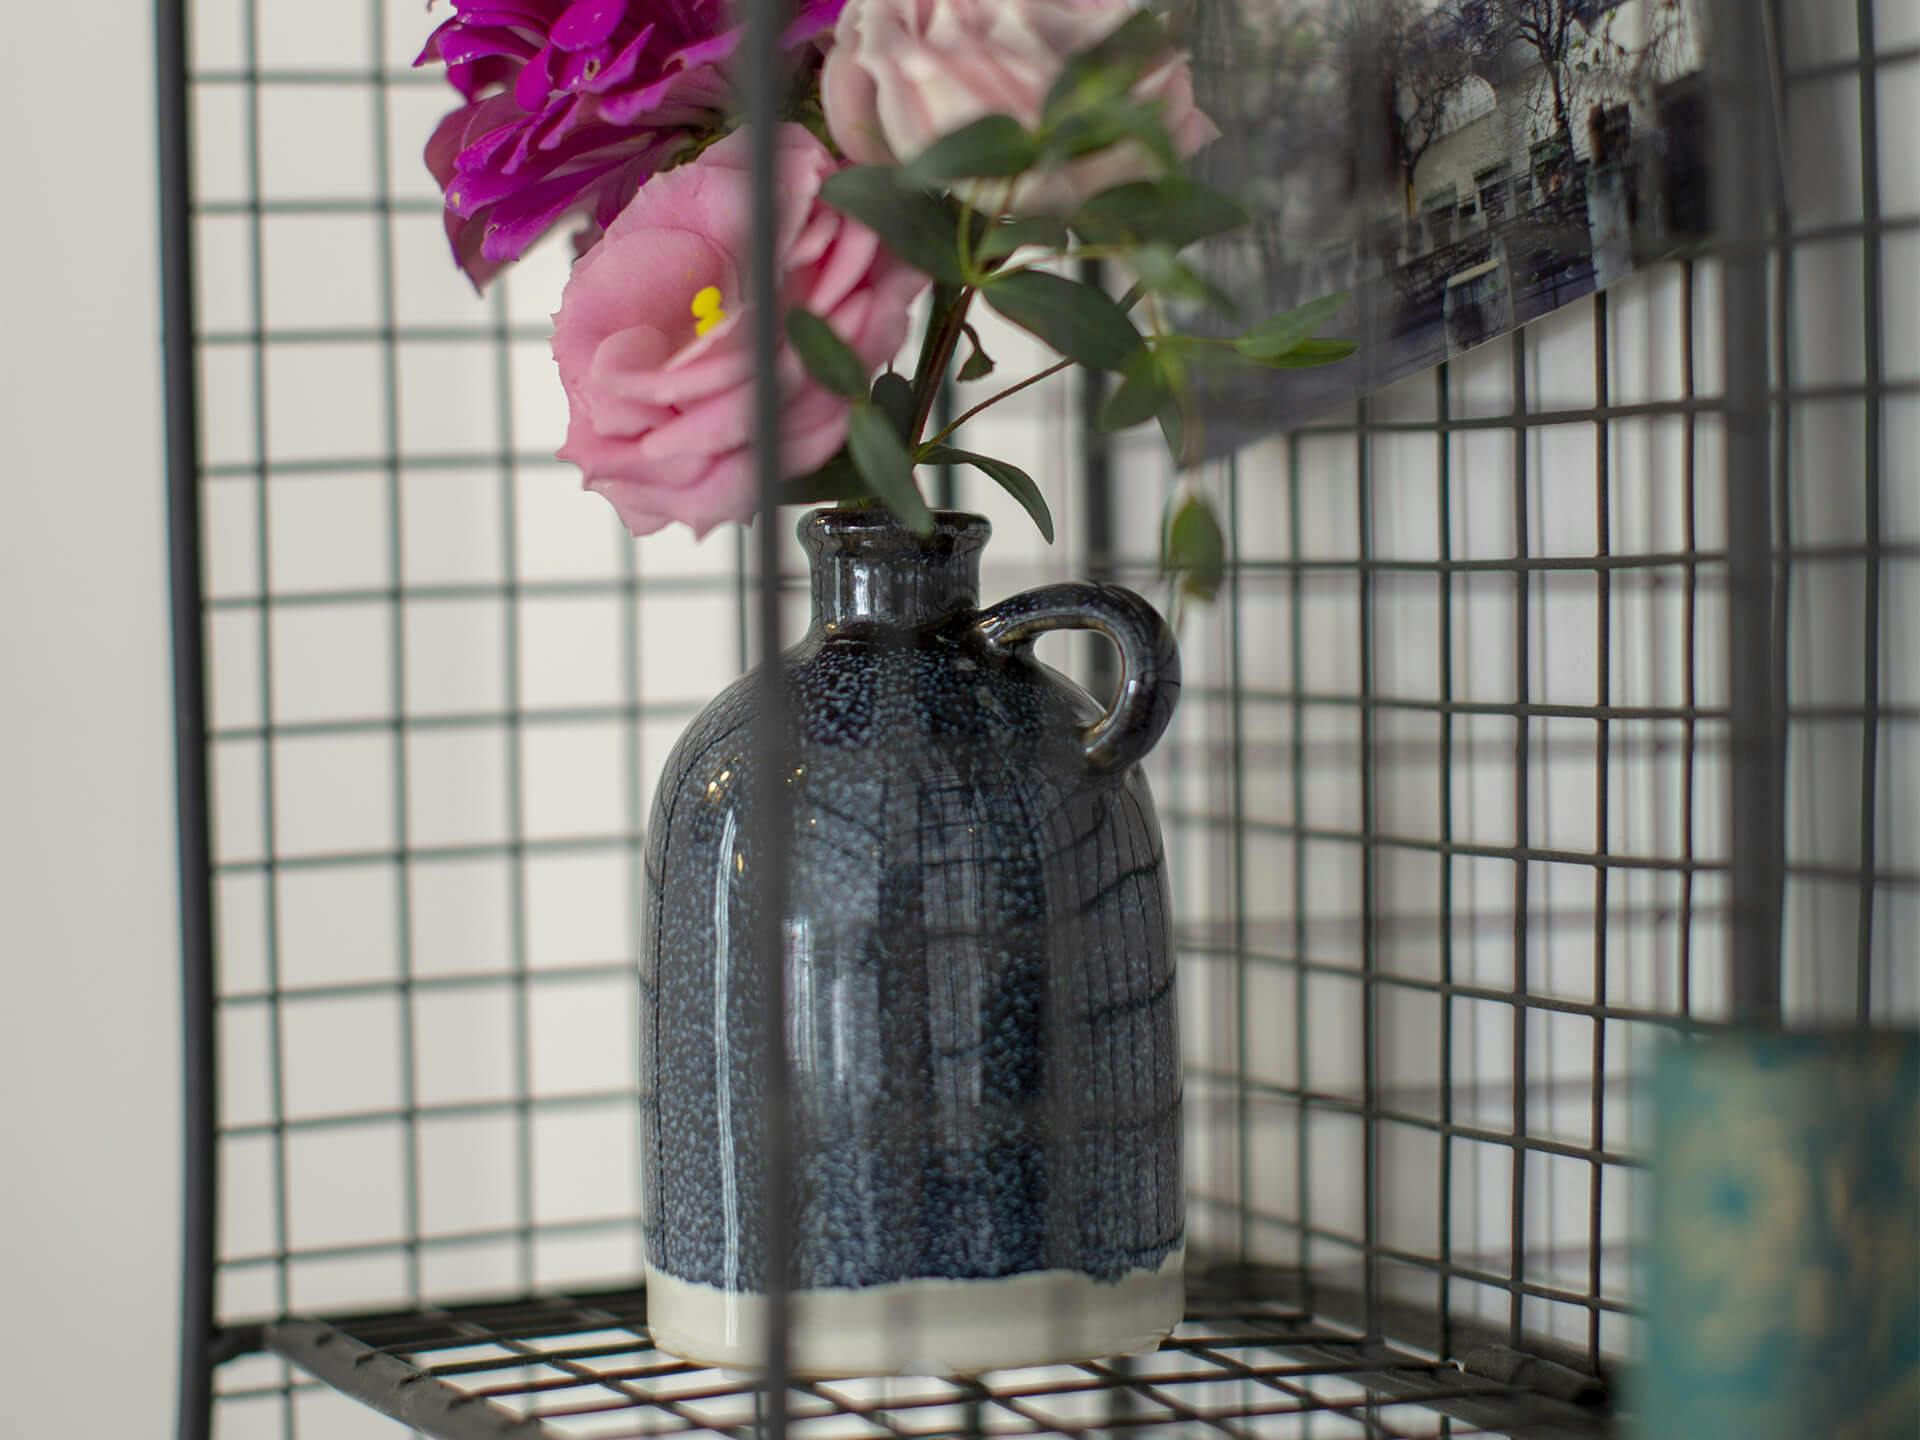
[(1782, 1278), (983, 1056)]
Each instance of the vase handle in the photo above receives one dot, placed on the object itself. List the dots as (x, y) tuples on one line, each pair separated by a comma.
[(1149, 659)]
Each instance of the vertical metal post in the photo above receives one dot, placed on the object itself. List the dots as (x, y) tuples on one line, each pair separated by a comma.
[(1743, 181), (1873, 300), (1523, 588), (199, 1215), (760, 76), (1096, 488)]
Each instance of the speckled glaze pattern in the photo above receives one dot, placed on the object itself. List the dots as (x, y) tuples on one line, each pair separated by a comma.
[(980, 992)]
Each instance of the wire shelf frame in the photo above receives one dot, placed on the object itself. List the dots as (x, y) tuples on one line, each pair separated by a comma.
[(1510, 746), (584, 1365)]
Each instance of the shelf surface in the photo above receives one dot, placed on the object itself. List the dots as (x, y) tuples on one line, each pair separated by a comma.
[(563, 1366)]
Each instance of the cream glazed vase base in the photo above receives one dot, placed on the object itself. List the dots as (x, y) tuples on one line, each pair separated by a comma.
[(925, 1327)]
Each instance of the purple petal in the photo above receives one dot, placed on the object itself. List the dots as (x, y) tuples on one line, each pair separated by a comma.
[(493, 71), (626, 108), (576, 68), (430, 51), (588, 24), (453, 139), (479, 152), (624, 64), (535, 14), (474, 42), (536, 82), (681, 71), (466, 237), (558, 127), (517, 222), (619, 187), (707, 52)]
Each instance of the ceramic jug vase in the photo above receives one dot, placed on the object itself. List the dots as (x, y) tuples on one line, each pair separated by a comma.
[(982, 1054)]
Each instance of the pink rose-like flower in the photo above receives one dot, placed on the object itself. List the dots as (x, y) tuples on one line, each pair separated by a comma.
[(654, 344), (903, 73)]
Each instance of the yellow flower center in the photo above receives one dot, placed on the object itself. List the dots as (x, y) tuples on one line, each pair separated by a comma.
[(707, 310)]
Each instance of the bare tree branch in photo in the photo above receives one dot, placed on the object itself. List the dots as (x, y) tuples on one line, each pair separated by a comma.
[(1402, 77), (1568, 40)]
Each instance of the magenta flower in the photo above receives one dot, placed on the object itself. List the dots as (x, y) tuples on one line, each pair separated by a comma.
[(571, 106)]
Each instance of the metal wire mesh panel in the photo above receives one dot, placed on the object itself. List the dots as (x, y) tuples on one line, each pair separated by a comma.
[(1476, 741), (1447, 807), (1474, 727), (440, 688), (1845, 371)]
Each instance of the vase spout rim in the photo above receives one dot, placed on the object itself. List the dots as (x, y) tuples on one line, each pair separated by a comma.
[(868, 567), (874, 531)]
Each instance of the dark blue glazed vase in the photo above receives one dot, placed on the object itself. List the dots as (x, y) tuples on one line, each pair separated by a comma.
[(982, 1052)]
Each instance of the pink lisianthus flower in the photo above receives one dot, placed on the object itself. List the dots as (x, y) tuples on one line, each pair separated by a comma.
[(903, 73), (654, 344), (570, 107)]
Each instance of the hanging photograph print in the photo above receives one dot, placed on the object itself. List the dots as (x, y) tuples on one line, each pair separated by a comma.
[(1454, 168)]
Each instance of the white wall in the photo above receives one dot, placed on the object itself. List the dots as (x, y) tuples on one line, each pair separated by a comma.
[(89, 1052)]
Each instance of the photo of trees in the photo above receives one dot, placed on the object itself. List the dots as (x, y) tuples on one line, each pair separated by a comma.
[(1457, 167)]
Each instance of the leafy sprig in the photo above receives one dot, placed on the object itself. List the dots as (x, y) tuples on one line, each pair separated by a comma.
[(950, 213)]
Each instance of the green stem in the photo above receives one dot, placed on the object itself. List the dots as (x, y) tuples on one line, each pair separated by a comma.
[(1034, 379), (944, 329)]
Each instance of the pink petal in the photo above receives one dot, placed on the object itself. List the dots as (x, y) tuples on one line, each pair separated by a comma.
[(850, 99), (846, 265)]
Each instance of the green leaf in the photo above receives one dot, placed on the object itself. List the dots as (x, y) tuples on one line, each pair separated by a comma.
[(1173, 211), (1175, 410), (1271, 339), (978, 364), (1102, 127), (915, 226), (1079, 321), (1138, 397), (882, 460), (992, 146), (1173, 428), (1164, 273), (1107, 69), (1004, 239), (1308, 354), (1011, 478), (835, 480), (826, 355), (893, 393), (1194, 552)]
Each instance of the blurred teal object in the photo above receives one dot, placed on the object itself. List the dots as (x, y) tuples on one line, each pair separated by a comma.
[(1783, 1274)]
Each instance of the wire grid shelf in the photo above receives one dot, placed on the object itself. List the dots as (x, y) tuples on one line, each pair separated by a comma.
[(1448, 801), (584, 1366)]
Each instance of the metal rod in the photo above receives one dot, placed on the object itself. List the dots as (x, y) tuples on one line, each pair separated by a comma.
[(1096, 489), (1873, 601), (397, 667), (1744, 177), (760, 77), (1522, 830), (200, 1076)]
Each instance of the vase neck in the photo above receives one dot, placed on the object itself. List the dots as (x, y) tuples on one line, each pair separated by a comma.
[(869, 567)]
